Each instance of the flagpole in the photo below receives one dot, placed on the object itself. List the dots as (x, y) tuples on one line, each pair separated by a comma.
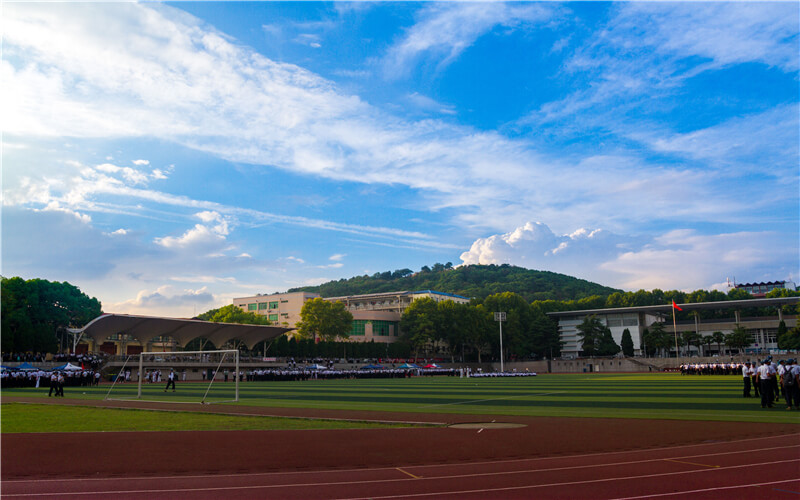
[(675, 331)]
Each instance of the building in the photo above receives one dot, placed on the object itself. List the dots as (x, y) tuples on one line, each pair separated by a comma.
[(281, 308), (376, 316), (762, 289), (762, 330)]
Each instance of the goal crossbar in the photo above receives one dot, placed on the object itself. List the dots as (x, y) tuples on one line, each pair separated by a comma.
[(223, 354)]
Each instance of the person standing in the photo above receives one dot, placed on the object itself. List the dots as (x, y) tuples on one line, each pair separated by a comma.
[(789, 384), (53, 384), (766, 374), (60, 385), (170, 380), (754, 379), (780, 367), (746, 379)]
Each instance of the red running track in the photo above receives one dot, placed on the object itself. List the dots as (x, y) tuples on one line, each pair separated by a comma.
[(763, 467)]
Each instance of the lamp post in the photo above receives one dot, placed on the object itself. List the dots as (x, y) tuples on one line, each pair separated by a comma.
[(500, 317)]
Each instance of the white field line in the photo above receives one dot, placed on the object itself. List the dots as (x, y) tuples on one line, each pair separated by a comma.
[(429, 477), (492, 399), (405, 478)]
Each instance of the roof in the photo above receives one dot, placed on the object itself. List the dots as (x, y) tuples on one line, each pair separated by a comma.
[(392, 294), (691, 306), (442, 293), (144, 328), (763, 283)]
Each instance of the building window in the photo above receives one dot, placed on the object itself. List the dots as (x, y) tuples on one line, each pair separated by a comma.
[(630, 321), (252, 307), (358, 328), (772, 335), (381, 328), (273, 305), (273, 317), (262, 306)]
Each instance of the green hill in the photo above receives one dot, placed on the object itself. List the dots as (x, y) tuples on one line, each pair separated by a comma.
[(476, 281)]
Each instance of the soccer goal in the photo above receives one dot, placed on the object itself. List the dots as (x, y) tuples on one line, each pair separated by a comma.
[(150, 372)]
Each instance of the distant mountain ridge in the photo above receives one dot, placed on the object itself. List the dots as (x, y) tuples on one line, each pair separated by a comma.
[(474, 281)]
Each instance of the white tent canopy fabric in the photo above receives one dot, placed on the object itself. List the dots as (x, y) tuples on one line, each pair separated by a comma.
[(145, 328)]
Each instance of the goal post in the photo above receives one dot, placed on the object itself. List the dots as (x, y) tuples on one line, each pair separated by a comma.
[(154, 367)]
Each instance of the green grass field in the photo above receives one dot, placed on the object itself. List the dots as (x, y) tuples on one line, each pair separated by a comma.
[(650, 396), (20, 417)]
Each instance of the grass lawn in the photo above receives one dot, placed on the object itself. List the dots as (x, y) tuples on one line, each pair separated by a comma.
[(20, 417), (669, 396)]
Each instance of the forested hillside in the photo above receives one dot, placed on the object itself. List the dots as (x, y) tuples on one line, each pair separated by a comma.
[(478, 281)]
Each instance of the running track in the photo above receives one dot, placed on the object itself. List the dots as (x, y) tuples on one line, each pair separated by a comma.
[(763, 467)]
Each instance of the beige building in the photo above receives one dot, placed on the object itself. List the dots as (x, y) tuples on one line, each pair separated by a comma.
[(376, 316), (282, 309)]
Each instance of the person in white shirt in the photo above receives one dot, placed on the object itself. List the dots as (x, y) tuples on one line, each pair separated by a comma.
[(789, 381), (746, 379), (170, 380), (766, 374)]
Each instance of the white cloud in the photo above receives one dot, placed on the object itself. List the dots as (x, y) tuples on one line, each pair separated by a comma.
[(182, 81), (678, 259), (648, 49), (535, 246), (685, 259), (724, 32), (425, 103), (141, 162), (445, 30), (337, 257), (208, 237), (165, 299)]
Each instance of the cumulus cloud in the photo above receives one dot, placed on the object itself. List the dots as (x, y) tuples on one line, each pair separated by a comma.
[(535, 246), (164, 298), (210, 235), (679, 259)]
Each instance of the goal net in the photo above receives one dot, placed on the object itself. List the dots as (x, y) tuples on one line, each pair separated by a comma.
[(178, 377)]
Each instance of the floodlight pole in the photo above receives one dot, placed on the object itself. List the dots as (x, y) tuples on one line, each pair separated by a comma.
[(500, 317)]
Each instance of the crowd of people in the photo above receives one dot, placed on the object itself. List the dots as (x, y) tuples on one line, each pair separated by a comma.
[(44, 378), (710, 368), (294, 373), (773, 381)]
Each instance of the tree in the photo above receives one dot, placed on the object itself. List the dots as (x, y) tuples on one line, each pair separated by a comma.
[(590, 332), (656, 339), (738, 338), (626, 343), (606, 346), (690, 338), (517, 329), (707, 341), (419, 322), (790, 339), (36, 311), (234, 314), (323, 319), (719, 339)]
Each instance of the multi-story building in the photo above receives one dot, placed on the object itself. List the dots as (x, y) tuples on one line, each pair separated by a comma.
[(376, 316), (762, 330), (762, 289), (282, 309)]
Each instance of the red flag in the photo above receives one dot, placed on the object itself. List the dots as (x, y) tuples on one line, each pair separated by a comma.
[(675, 306)]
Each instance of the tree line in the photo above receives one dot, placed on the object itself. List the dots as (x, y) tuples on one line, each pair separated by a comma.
[(36, 313), (473, 281)]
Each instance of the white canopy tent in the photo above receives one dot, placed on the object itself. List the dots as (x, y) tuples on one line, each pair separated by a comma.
[(144, 328)]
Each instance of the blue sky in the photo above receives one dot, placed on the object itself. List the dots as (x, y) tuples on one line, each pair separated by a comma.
[(167, 157)]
